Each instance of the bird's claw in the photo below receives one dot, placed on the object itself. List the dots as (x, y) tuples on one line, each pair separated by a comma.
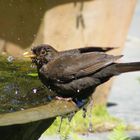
[(64, 99)]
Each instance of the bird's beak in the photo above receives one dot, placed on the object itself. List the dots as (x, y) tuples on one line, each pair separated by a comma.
[(29, 54)]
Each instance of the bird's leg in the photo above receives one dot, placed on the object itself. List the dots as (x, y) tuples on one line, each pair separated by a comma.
[(64, 99)]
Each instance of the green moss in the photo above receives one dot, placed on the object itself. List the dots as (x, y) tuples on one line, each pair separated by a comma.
[(100, 119), (33, 74), (20, 88), (119, 133)]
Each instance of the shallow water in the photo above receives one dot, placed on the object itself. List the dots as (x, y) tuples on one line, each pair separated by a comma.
[(20, 87)]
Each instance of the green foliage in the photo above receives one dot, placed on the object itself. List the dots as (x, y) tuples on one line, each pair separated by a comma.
[(98, 117), (64, 130), (119, 133), (33, 74), (54, 128), (75, 136), (65, 134)]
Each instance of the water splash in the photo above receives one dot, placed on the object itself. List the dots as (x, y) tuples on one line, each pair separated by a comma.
[(78, 90), (10, 59), (34, 90)]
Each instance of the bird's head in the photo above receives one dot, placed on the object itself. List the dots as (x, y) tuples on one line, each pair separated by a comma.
[(41, 54)]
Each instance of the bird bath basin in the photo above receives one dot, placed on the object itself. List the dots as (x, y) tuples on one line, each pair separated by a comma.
[(25, 100)]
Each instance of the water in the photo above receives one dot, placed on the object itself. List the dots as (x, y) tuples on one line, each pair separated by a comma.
[(20, 88)]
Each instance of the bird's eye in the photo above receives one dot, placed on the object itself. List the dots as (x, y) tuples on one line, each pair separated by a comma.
[(43, 52)]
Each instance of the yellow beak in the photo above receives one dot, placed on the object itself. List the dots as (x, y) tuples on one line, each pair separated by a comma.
[(29, 54)]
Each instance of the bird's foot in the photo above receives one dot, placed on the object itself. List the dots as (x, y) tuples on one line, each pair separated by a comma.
[(64, 99)]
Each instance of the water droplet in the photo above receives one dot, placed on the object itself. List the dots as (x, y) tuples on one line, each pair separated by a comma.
[(10, 59), (34, 35), (22, 21), (90, 129), (16, 92), (33, 66), (18, 38), (38, 61), (11, 109), (10, 4), (34, 90)]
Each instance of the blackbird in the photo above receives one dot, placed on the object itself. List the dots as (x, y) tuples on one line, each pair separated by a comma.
[(76, 73)]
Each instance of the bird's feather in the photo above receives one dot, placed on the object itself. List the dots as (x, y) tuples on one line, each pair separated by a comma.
[(68, 67)]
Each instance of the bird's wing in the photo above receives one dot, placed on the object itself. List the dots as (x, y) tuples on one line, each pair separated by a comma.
[(68, 67), (95, 49), (88, 49)]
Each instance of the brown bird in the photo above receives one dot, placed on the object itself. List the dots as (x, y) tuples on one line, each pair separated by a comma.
[(76, 73)]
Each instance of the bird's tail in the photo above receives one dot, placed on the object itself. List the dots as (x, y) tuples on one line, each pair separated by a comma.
[(127, 67), (115, 69)]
